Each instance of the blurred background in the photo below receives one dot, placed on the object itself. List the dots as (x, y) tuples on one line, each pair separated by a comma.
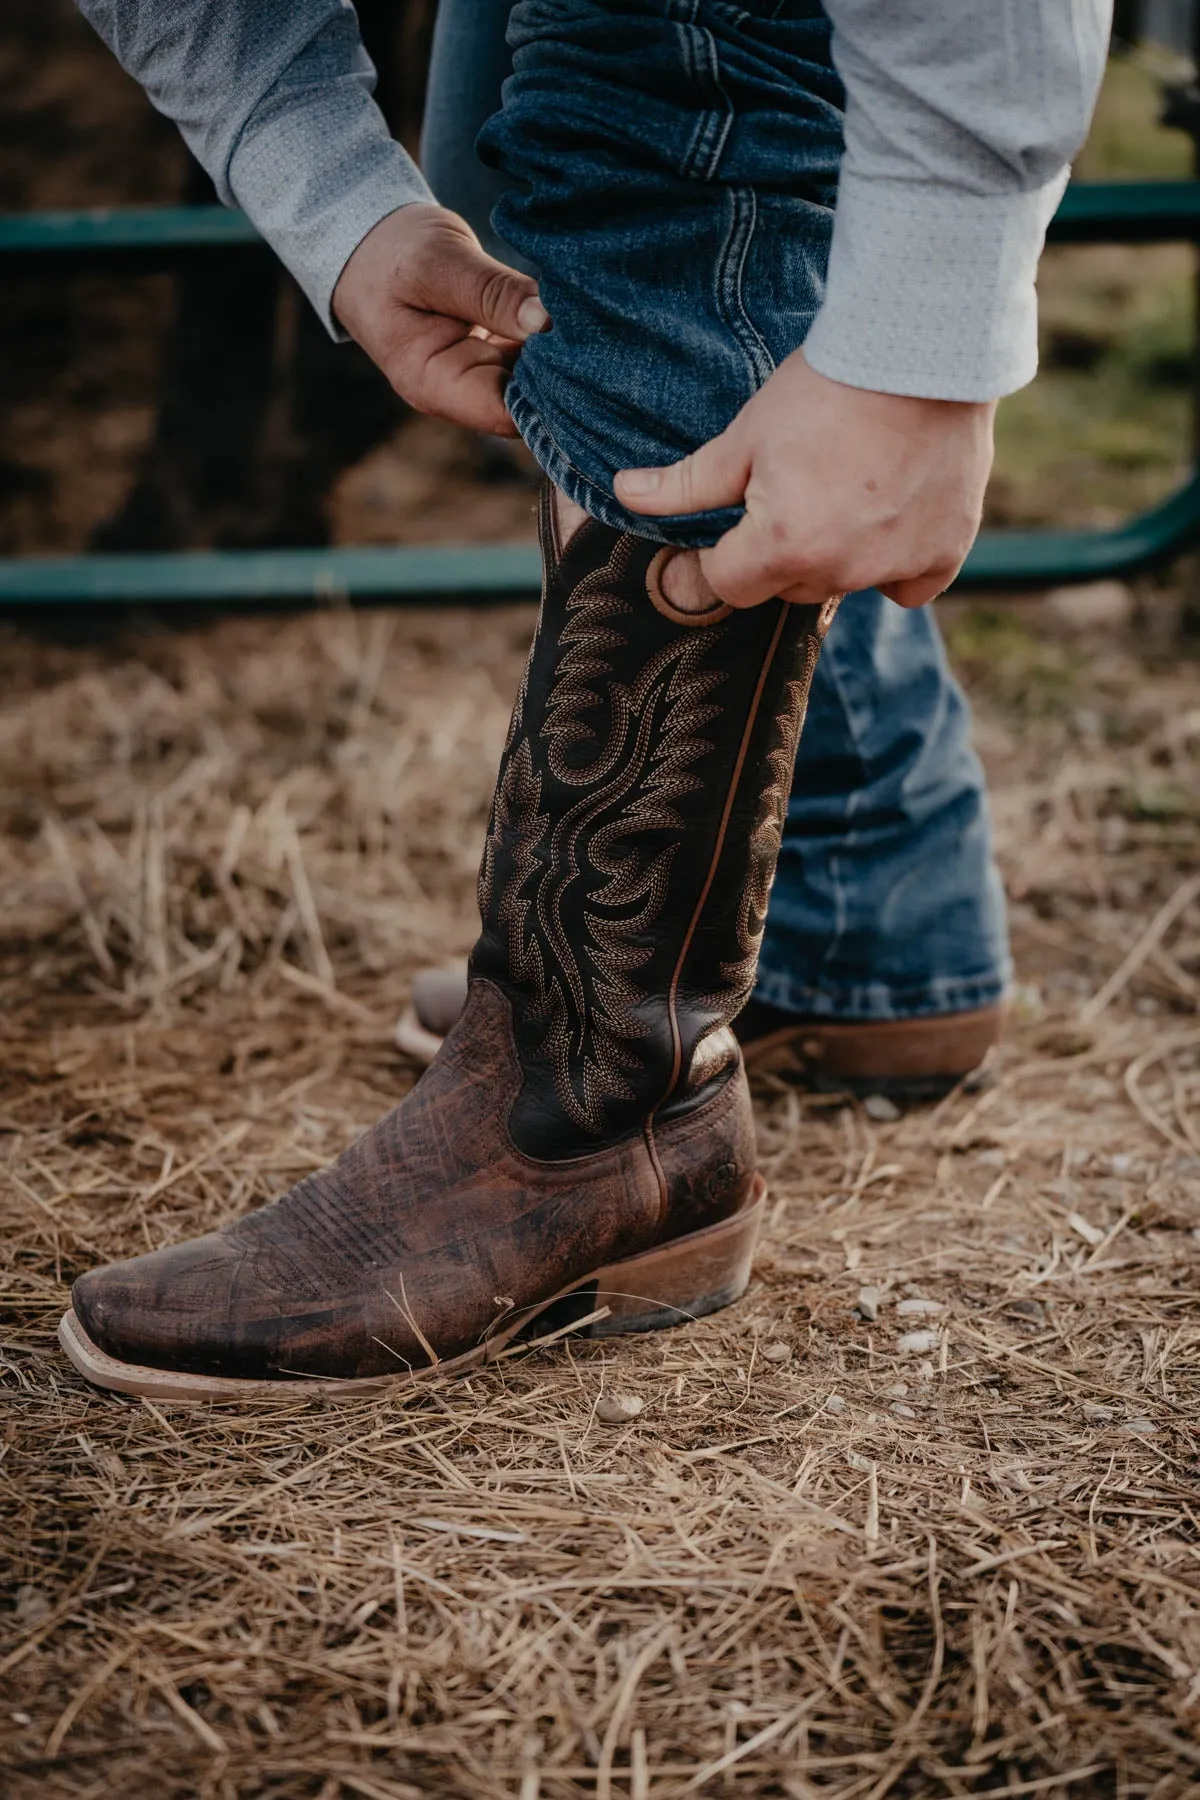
[(209, 408)]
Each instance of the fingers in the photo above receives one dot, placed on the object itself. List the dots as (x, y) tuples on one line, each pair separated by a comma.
[(759, 561), (749, 565), (715, 475), (465, 382), (921, 590), (474, 287)]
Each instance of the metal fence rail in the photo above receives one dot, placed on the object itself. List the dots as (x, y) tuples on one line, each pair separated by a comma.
[(139, 239)]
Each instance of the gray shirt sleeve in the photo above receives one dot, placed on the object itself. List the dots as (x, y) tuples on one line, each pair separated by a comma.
[(273, 97), (962, 117), (961, 122)]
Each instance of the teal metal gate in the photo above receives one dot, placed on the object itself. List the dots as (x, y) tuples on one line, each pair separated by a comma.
[(137, 239)]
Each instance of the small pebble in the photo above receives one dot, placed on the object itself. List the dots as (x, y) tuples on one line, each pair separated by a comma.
[(32, 1604), (1106, 605), (619, 1408), (868, 1304), (897, 1391), (21, 1718), (901, 1411), (881, 1109), (1121, 1164), (835, 1404), (916, 1308), (1026, 1309), (776, 1353), (917, 1343), (1139, 1427)]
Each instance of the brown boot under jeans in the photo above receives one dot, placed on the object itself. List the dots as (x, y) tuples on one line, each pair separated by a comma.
[(582, 1146), (910, 1059)]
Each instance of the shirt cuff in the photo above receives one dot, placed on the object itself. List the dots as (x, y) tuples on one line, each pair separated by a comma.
[(930, 290), (314, 206)]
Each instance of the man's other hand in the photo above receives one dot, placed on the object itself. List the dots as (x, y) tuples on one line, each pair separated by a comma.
[(444, 320), (844, 488)]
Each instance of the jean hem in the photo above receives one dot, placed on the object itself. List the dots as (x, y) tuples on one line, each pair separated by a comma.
[(877, 1001), (556, 465)]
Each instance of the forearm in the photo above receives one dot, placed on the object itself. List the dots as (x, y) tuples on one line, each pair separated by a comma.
[(274, 98), (962, 117)]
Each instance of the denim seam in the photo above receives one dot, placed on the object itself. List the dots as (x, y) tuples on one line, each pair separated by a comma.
[(683, 15), (717, 125), (700, 160), (872, 1000), (553, 458), (558, 468), (731, 266)]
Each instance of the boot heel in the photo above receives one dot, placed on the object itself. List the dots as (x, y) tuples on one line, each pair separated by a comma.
[(680, 1280)]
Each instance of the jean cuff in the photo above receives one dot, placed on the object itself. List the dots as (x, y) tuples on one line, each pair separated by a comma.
[(696, 531), (880, 1000)]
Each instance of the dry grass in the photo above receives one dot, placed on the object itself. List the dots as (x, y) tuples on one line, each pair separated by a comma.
[(965, 1569)]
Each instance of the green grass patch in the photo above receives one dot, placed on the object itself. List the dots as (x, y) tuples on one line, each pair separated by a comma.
[(1106, 429)]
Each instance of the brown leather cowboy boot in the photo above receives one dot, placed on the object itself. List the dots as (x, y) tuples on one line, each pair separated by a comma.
[(583, 1143)]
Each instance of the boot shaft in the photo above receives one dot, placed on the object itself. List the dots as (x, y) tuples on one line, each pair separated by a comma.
[(633, 836)]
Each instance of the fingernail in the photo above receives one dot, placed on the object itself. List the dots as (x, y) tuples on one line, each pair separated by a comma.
[(640, 481), (532, 316)]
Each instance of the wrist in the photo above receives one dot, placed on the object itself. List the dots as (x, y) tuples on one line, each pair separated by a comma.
[(921, 410)]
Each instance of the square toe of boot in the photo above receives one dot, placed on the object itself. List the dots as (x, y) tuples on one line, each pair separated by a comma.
[(167, 1310)]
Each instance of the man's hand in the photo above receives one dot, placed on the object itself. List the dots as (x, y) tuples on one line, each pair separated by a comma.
[(443, 320), (844, 489)]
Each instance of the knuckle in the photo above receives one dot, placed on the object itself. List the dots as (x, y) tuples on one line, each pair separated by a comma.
[(679, 483), (410, 386), (781, 537), (792, 548), (494, 294), (398, 375)]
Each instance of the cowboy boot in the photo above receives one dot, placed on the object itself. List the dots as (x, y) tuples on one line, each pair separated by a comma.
[(581, 1150)]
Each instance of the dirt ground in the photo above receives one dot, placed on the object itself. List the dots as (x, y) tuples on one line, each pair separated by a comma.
[(840, 1568), (818, 1563)]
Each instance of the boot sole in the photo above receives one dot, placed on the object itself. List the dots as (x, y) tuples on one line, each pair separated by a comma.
[(671, 1284)]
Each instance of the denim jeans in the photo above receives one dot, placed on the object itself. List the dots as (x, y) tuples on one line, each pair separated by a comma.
[(669, 168)]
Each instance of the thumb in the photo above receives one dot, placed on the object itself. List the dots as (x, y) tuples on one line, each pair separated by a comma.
[(481, 291), (715, 475)]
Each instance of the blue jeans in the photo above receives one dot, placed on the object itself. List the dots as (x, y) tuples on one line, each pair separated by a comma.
[(669, 169)]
